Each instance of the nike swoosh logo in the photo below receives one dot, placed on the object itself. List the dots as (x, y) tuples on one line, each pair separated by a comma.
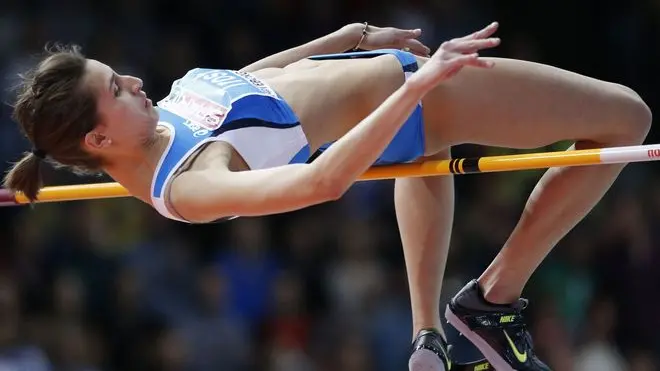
[(522, 357), (446, 357)]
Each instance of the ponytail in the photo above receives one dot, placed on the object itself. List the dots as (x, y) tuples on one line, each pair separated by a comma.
[(25, 176)]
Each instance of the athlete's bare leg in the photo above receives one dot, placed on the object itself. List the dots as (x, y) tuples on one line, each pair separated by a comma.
[(520, 104), (425, 211), (425, 233)]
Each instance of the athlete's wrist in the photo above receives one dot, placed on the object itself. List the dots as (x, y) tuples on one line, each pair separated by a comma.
[(416, 86), (352, 33)]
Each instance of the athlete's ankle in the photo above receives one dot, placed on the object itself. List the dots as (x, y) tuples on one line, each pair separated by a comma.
[(496, 291), (430, 326)]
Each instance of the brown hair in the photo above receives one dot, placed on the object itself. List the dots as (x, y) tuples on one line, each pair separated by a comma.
[(54, 110)]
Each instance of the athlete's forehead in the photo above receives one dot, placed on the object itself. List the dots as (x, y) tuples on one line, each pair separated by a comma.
[(99, 76)]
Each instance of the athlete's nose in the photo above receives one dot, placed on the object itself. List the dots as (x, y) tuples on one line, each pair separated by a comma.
[(137, 85)]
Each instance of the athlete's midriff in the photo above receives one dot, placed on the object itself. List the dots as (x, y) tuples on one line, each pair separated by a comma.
[(332, 96), (329, 97)]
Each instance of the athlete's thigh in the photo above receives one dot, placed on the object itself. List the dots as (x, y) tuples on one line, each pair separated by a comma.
[(526, 105)]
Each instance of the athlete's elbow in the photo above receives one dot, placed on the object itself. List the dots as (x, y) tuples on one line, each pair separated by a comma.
[(330, 188), (194, 208), (203, 217), (334, 193), (194, 212)]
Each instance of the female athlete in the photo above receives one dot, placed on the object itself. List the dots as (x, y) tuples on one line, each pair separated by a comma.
[(238, 143)]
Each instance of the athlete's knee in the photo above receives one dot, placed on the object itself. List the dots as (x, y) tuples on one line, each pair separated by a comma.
[(633, 117)]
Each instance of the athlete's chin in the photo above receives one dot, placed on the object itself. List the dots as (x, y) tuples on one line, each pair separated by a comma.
[(150, 120), (152, 112), (153, 119)]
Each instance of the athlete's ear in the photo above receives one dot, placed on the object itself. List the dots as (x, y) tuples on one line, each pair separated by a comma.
[(95, 140)]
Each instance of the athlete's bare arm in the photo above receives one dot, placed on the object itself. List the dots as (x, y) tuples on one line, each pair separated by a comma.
[(207, 195), (344, 39)]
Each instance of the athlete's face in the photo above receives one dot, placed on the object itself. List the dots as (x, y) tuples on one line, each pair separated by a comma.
[(127, 117)]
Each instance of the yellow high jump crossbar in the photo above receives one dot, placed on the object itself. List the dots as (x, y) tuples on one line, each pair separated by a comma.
[(486, 164)]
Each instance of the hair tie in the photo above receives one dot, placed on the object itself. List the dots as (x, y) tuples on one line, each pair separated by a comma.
[(39, 153)]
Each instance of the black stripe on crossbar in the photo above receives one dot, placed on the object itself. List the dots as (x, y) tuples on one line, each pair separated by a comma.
[(471, 165)]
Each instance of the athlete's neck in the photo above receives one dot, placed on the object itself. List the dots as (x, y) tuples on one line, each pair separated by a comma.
[(136, 173)]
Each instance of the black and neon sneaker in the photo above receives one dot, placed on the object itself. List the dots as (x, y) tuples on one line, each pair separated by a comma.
[(498, 331), (429, 352)]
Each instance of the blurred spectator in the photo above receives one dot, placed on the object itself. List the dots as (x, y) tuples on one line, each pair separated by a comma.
[(249, 268), (15, 352), (357, 274), (287, 329), (214, 336), (598, 352)]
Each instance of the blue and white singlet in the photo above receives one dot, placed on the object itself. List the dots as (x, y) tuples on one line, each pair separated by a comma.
[(235, 107)]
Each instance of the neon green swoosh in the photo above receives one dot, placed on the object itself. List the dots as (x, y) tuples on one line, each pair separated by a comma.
[(446, 357), (522, 357)]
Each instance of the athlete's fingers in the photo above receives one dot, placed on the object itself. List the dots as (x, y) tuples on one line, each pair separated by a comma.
[(470, 46), (416, 47), (487, 31), (483, 33), (460, 60), (472, 59), (409, 34), (480, 62)]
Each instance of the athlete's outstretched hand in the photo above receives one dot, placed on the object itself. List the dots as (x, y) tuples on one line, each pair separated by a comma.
[(388, 38), (453, 55)]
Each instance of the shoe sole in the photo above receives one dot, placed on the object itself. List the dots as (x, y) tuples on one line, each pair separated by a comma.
[(425, 360), (491, 355)]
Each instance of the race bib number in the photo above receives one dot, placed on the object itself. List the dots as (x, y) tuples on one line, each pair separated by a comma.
[(199, 110), (204, 97)]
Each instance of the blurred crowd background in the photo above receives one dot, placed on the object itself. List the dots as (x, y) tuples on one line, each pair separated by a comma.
[(109, 285)]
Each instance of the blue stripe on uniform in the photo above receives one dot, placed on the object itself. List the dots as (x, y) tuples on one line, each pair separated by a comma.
[(277, 111), (249, 122)]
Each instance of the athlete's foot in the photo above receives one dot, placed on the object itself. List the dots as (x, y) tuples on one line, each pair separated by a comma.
[(429, 352), (498, 331)]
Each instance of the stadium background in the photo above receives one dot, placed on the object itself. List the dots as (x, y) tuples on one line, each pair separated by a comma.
[(109, 285)]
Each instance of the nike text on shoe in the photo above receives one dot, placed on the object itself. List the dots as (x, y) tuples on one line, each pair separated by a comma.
[(498, 331)]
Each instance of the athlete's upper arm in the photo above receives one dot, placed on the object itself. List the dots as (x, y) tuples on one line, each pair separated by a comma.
[(207, 195)]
